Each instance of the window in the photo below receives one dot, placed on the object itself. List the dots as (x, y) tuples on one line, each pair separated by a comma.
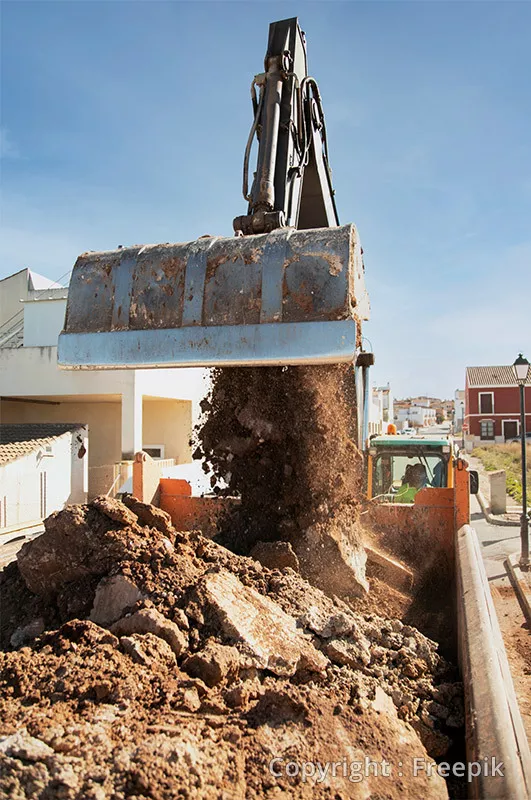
[(390, 471), (486, 427), (486, 402), (154, 450)]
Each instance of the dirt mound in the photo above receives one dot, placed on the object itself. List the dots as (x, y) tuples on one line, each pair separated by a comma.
[(207, 675)]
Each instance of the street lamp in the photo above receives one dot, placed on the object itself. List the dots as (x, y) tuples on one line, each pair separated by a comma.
[(521, 372)]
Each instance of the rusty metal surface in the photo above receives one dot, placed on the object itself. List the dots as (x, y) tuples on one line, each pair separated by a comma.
[(216, 346), (223, 280), (283, 278)]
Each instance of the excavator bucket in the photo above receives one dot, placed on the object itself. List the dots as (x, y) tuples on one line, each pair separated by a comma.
[(285, 297)]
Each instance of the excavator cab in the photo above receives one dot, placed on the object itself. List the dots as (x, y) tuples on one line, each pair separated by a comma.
[(400, 466), (288, 288)]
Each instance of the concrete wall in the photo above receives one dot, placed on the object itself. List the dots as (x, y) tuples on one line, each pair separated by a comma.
[(188, 383), (34, 486), (33, 372), (168, 422), (12, 290), (102, 419), (43, 321)]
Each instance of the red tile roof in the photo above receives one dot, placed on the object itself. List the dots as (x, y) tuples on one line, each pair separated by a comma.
[(492, 376), (20, 439)]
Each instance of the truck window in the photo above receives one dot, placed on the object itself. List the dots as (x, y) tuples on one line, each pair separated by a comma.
[(390, 472)]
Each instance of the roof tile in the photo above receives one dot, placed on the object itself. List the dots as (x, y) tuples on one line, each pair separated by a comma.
[(492, 376), (20, 439)]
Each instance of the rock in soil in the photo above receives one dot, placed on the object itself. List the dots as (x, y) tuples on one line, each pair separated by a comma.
[(219, 667)]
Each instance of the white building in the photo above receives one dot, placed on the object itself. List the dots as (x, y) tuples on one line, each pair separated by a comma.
[(42, 467), (380, 409), (416, 416), (459, 410), (386, 401), (126, 410)]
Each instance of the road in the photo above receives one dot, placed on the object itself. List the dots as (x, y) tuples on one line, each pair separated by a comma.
[(497, 541)]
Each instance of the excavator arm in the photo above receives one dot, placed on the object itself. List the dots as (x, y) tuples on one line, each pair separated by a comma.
[(292, 185), (290, 290)]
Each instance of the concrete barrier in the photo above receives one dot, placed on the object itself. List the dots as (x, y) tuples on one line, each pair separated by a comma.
[(498, 492), (494, 727)]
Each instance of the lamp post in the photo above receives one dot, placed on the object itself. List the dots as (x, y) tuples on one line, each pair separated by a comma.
[(521, 372)]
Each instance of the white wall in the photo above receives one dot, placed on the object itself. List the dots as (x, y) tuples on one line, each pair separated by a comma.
[(181, 383), (43, 321), (12, 290), (417, 414), (459, 409), (33, 372), (22, 482)]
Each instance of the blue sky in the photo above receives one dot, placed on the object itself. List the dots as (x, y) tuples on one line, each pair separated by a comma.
[(125, 122)]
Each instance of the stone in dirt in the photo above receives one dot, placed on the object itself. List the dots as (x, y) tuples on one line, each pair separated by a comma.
[(22, 745), (275, 555), (144, 648), (348, 652), (331, 558), (214, 663), (27, 633), (263, 630), (149, 620), (149, 515), (113, 596), (115, 510), (328, 624), (72, 547)]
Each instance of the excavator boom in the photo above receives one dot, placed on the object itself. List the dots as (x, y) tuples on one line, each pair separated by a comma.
[(287, 289)]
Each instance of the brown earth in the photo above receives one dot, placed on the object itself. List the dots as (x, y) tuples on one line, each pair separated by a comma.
[(219, 667), (282, 440), (517, 640)]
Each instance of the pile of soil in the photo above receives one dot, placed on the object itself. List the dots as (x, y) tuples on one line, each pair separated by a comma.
[(282, 439), (139, 661)]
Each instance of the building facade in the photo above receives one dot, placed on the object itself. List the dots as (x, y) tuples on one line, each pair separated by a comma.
[(415, 416), (125, 410), (459, 410), (492, 406), (42, 468)]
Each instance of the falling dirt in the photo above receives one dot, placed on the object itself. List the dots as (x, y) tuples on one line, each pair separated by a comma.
[(282, 440), (143, 662)]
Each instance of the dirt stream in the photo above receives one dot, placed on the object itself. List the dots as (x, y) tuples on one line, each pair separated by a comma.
[(140, 661)]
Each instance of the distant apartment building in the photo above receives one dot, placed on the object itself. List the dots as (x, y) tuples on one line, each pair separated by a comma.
[(492, 405), (125, 410), (416, 416), (459, 410), (380, 409), (384, 397)]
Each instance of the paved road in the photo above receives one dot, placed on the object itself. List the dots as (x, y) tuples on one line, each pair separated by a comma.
[(497, 541)]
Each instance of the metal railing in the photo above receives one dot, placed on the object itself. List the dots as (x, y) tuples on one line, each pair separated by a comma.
[(10, 327)]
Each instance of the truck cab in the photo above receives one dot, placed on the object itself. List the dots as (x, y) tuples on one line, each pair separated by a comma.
[(398, 466)]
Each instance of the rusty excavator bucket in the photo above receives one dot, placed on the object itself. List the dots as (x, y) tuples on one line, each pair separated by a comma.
[(287, 289), (287, 297)]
